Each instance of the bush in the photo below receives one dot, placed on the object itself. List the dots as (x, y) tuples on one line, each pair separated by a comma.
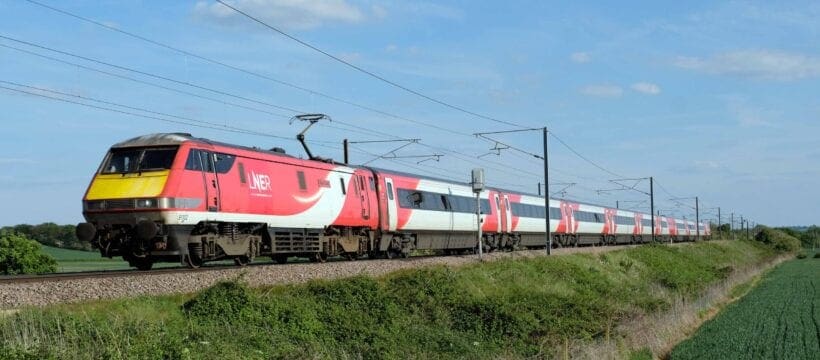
[(817, 255), (225, 301), (778, 240), (20, 255), (802, 255)]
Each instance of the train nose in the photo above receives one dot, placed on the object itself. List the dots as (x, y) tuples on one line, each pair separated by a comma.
[(85, 231)]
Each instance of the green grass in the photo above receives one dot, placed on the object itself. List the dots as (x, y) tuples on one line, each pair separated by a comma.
[(69, 260), (778, 319), (513, 308)]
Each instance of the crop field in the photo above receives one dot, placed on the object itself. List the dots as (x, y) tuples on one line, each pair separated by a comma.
[(779, 319)]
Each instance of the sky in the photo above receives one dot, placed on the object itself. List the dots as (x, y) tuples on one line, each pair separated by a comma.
[(715, 100)]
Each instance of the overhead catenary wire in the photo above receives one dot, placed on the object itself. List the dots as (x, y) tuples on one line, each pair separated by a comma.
[(365, 71), (157, 85), (145, 73), (128, 78), (305, 89), (302, 88)]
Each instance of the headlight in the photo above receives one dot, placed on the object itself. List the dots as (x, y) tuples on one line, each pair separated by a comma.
[(146, 203)]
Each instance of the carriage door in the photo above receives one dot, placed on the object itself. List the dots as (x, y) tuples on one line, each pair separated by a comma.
[(364, 196), (392, 210), (498, 216), (211, 181), (508, 213)]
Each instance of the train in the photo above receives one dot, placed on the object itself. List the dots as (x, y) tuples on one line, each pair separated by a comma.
[(173, 197)]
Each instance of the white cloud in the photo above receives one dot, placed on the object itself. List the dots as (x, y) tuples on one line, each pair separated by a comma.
[(290, 14), (759, 64), (646, 88), (580, 57), (602, 90)]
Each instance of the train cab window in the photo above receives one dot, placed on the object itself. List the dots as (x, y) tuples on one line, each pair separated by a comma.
[(130, 160), (157, 159), (389, 191), (193, 162), (223, 163), (207, 161), (122, 161)]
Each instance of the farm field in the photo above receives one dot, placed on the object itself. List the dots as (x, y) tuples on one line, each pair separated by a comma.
[(779, 319)]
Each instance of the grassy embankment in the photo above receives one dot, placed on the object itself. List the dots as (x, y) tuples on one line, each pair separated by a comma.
[(510, 308), (779, 318)]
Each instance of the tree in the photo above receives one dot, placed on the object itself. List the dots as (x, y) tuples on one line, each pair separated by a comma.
[(21, 255), (51, 234)]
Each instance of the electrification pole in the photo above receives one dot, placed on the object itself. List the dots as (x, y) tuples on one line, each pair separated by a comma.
[(547, 195), (719, 232), (652, 205), (697, 219)]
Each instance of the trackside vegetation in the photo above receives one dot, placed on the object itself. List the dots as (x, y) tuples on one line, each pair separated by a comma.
[(515, 308), (779, 319), (21, 255)]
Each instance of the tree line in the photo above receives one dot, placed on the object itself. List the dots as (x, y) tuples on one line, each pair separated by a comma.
[(50, 234)]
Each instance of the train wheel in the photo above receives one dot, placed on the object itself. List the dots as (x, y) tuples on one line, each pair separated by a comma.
[(192, 262), (241, 260), (279, 259), (319, 257), (351, 256)]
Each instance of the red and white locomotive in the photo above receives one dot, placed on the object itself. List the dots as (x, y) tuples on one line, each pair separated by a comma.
[(174, 197)]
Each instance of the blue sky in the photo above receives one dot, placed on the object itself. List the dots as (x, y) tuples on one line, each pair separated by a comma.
[(713, 99)]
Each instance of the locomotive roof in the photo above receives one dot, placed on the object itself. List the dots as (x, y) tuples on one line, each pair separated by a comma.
[(169, 139)]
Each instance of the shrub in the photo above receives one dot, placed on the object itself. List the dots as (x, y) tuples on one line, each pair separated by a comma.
[(817, 255), (802, 255), (778, 240), (226, 300), (20, 255)]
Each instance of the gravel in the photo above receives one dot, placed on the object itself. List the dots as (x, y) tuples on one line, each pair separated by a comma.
[(47, 292)]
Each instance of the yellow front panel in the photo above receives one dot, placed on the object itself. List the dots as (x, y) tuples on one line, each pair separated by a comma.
[(118, 186)]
